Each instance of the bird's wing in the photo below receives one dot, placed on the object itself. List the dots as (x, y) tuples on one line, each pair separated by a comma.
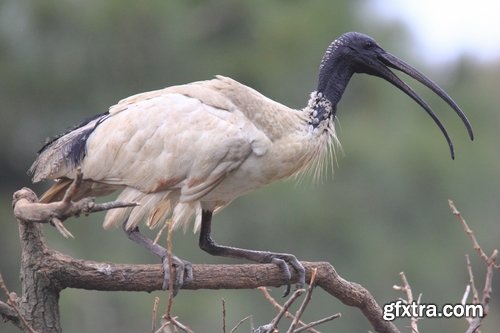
[(184, 137)]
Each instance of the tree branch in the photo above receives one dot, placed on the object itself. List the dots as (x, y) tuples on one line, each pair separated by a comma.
[(56, 271), (9, 314), (28, 209), (91, 275)]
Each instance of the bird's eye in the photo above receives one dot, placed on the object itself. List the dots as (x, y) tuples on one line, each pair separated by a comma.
[(368, 45)]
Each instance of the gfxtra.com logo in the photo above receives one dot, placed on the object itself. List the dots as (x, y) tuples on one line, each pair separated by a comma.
[(402, 309)]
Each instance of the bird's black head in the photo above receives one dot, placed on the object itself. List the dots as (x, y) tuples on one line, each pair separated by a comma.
[(354, 52)]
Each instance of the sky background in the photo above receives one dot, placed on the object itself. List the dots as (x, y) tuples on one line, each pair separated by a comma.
[(445, 29)]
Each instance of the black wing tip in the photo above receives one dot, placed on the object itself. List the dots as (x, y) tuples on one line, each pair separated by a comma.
[(50, 140), (68, 148)]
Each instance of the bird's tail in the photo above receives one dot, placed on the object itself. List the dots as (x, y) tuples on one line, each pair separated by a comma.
[(87, 188), (56, 192), (155, 208)]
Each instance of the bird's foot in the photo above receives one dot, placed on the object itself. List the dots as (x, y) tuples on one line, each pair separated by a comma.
[(183, 271), (282, 260)]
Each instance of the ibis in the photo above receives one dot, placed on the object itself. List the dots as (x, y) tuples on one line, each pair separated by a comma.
[(185, 152)]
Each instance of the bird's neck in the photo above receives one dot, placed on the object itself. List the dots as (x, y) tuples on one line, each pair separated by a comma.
[(333, 79)]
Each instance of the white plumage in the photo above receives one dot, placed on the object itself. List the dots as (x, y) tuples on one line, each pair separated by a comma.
[(186, 148)]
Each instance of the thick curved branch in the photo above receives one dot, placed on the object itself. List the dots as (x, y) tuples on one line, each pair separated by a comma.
[(84, 274), (58, 271)]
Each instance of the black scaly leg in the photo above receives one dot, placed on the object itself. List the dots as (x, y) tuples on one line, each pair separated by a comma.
[(183, 269), (281, 259)]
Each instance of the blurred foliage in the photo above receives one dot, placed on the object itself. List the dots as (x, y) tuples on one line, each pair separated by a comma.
[(384, 212)]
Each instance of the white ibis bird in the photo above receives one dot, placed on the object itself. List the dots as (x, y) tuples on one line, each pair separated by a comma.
[(187, 151)]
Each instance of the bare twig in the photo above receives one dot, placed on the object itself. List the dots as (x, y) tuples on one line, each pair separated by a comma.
[(11, 302), (283, 310), (465, 296), (164, 325), (155, 311), (239, 323), (488, 280), (9, 314), (409, 298), (273, 325), (406, 287), (223, 316), (178, 324), (472, 284), (470, 233), (475, 323), (317, 322), (9, 310), (305, 302)]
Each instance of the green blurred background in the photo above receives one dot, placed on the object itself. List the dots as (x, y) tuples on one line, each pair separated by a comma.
[(384, 211)]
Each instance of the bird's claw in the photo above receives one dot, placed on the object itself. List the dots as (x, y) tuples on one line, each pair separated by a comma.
[(282, 260), (183, 273)]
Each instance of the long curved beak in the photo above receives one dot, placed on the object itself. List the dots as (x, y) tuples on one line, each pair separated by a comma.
[(384, 72)]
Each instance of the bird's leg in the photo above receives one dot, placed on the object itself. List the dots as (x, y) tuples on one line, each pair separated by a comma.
[(281, 259), (183, 269)]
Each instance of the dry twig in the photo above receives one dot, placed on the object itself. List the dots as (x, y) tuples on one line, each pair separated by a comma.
[(317, 322), (475, 323), (180, 325), (409, 299), (490, 261), (155, 311), (472, 283), (305, 302), (223, 316), (470, 233), (11, 303), (239, 323), (283, 310)]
